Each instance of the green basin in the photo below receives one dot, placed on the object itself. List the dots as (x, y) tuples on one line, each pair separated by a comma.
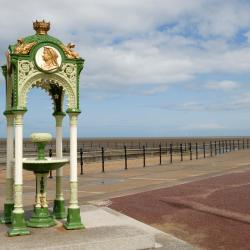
[(43, 166)]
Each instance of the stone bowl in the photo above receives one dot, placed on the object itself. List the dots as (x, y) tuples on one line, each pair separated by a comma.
[(43, 166), (41, 137)]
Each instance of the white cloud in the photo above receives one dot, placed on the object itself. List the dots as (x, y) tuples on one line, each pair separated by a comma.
[(127, 43), (188, 106), (247, 35), (203, 126), (156, 90), (222, 85), (149, 45), (117, 66), (241, 101), (222, 18)]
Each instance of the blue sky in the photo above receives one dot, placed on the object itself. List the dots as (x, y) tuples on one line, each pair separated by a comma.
[(153, 67)]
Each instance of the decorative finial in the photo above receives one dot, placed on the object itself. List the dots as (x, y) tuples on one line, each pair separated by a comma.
[(41, 27)]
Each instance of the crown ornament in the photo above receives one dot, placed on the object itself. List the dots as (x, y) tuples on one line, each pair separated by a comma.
[(41, 27)]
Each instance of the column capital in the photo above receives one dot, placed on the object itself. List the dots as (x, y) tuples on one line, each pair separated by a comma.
[(59, 114), (9, 117), (73, 117), (59, 118), (19, 117), (19, 113), (73, 111), (8, 112)]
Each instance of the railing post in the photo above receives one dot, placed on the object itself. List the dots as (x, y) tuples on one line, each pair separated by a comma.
[(144, 156), (226, 146), (125, 157), (103, 170), (50, 172), (171, 153), (215, 148), (233, 146), (81, 160), (238, 144), (243, 144), (230, 146), (196, 150), (160, 153), (190, 150), (211, 149), (204, 150), (219, 148), (247, 143), (181, 152)]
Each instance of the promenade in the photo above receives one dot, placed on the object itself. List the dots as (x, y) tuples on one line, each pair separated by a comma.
[(152, 195)]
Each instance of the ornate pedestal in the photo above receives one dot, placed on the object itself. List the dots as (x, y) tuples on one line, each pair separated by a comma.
[(41, 216)]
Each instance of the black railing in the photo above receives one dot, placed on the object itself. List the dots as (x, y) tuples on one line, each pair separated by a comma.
[(171, 152)]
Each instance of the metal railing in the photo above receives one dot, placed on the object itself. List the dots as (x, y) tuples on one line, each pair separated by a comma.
[(171, 153), (166, 153)]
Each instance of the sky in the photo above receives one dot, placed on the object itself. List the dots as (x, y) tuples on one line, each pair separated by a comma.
[(152, 67)]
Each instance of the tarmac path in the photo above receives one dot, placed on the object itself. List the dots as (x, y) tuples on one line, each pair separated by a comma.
[(212, 214)]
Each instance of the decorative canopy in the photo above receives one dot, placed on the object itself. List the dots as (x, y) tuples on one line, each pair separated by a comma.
[(43, 61)]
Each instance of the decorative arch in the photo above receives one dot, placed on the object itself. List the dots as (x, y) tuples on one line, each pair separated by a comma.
[(57, 105), (43, 81)]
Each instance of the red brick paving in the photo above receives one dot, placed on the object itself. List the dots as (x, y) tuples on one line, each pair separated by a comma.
[(210, 228)]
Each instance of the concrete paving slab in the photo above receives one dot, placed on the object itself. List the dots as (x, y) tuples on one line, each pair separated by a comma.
[(105, 229), (96, 236), (100, 216)]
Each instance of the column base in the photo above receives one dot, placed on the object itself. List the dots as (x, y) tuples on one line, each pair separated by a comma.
[(73, 219), (59, 209), (41, 218), (18, 225), (8, 208)]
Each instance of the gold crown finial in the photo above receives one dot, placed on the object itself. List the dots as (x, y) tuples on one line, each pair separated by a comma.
[(41, 27)]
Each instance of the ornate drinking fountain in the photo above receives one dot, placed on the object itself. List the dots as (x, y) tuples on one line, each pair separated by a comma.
[(41, 167), (42, 61)]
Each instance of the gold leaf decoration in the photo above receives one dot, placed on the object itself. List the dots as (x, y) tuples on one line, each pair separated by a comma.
[(22, 47), (68, 50)]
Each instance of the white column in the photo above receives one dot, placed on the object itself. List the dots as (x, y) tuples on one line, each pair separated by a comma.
[(18, 207), (73, 161), (9, 163), (59, 154)]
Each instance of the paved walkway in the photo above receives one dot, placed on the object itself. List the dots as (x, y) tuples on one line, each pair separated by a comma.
[(213, 213), (99, 188)]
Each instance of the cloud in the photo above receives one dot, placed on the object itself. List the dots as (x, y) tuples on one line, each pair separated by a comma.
[(222, 85), (146, 48), (222, 18), (202, 126), (156, 90), (241, 101), (236, 102), (129, 43), (188, 106)]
